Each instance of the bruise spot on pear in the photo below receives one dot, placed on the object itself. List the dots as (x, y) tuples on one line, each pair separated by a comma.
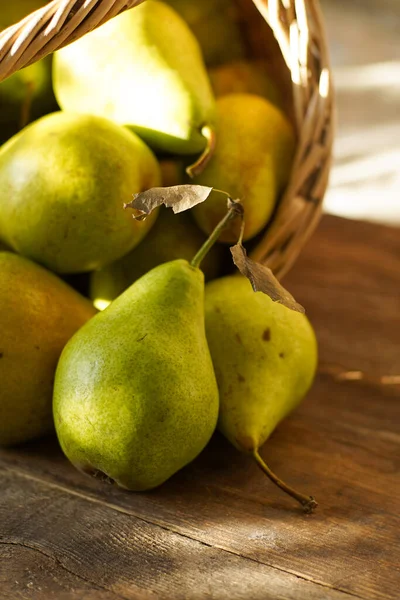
[(266, 335)]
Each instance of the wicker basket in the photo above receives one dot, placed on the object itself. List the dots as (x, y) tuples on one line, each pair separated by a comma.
[(290, 36)]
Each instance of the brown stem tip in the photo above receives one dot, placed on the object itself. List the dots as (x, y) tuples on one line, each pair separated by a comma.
[(201, 163), (307, 502)]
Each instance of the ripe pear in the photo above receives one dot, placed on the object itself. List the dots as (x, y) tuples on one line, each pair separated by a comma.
[(144, 69), (63, 182), (249, 77), (265, 359), (216, 25), (252, 162), (172, 237), (135, 395), (172, 172), (38, 315)]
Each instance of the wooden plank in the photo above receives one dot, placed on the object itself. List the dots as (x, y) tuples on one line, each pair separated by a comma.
[(342, 445), (348, 278), (57, 537), (29, 573)]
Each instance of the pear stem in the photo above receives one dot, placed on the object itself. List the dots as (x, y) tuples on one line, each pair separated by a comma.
[(26, 106), (308, 502), (235, 209), (198, 167), (240, 240)]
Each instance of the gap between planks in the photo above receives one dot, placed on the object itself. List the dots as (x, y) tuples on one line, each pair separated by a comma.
[(177, 531)]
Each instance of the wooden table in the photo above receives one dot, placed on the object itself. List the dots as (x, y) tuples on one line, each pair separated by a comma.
[(219, 529)]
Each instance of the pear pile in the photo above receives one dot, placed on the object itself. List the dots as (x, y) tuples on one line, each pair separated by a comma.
[(163, 343)]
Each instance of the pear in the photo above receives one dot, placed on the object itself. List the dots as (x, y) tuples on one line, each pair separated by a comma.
[(172, 237), (249, 77), (24, 97), (135, 395), (38, 315), (172, 172), (252, 162), (27, 94), (265, 359), (216, 25), (144, 69), (63, 182), (34, 80)]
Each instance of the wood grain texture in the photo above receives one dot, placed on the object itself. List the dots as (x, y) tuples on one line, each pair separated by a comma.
[(218, 529), (129, 557)]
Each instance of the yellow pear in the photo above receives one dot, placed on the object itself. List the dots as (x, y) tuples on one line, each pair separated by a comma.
[(216, 25), (38, 315), (252, 162), (249, 77)]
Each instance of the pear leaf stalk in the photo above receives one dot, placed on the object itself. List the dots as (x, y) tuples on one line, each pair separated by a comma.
[(235, 209), (26, 107)]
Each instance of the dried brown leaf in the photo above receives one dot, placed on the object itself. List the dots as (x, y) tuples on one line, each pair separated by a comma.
[(262, 279), (177, 197)]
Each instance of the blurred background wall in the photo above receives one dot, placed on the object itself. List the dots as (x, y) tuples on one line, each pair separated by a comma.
[(364, 38)]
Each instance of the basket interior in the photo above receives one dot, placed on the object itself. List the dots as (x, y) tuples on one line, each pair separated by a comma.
[(262, 45)]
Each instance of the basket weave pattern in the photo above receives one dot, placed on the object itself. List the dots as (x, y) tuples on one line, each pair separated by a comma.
[(298, 27)]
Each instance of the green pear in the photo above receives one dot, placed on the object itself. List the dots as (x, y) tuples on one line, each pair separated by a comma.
[(143, 69), (27, 94), (244, 77), (31, 81), (252, 162), (38, 315), (63, 182), (265, 359), (216, 25), (135, 395), (172, 237)]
